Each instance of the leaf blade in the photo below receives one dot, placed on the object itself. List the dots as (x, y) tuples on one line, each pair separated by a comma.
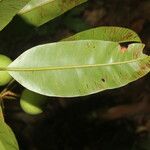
[(40, 12), (8, 9), (106, 33), (7, 138), (115, 68)]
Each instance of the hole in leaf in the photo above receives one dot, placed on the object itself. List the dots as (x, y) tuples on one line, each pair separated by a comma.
[(103, 79)]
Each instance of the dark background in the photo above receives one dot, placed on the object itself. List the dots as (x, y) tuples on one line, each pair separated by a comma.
[(117, 119)]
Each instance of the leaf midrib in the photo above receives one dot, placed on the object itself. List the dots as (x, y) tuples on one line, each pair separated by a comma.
[(54, 68)]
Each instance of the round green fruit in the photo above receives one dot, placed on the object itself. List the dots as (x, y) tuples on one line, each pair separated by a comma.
[(4, 75), (32, 103)]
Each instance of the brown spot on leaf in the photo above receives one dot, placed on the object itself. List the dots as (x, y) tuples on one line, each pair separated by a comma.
[(143, 67), (123, 49), (148, 64), (136, 55), (103, 80), (128, 36)]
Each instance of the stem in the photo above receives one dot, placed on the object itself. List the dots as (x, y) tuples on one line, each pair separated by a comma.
[(8, 87)]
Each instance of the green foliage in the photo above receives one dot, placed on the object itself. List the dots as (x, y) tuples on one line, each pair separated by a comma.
[(7, 138), (38, 12), (32, 103), (77, 68), (116, 34), (8, 9), (83, 64), (44, 11)]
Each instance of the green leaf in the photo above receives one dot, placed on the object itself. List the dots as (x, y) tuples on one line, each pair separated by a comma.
[(77, 68), (116, 34), (38, 12), (8, 9), (7, 138)]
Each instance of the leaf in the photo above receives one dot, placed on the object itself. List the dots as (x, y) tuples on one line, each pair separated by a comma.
[(77, 68), (116, 34), (38, 12), (8, 9), (7, 138)]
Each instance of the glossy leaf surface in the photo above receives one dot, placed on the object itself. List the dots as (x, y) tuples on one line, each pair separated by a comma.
[(8, 9), (77, 68), (7, 138), (116, 34), (38, 12)]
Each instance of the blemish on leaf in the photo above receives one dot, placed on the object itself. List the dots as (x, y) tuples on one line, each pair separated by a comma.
[(128, 36), (103, 79), (143, 68), (89, 45), (136, 55), (123, 49)]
